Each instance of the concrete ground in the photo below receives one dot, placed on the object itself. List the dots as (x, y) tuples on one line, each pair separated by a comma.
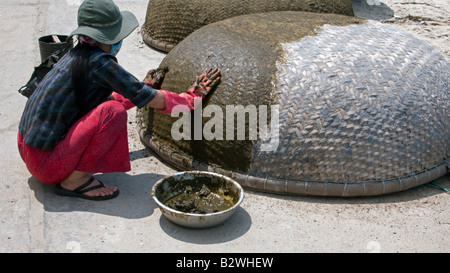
[(33, 219)]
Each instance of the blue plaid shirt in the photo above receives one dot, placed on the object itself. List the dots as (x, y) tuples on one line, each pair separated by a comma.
[(53, 108)]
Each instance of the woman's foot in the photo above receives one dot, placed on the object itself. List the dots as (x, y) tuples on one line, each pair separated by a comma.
[(83, 184)]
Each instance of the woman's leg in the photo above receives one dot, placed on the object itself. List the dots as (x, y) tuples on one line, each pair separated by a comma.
[(76, 179), (107, 150), (98, 142)]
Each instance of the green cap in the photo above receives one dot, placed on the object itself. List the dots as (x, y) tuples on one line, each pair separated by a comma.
[(102, 21)]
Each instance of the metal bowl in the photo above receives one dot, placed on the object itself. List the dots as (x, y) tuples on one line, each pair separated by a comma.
[(171, 186)]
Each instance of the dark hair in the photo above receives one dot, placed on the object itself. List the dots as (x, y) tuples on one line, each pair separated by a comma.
[(80, 70)]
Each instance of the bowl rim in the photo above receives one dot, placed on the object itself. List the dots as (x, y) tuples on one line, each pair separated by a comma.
[(160, 204)]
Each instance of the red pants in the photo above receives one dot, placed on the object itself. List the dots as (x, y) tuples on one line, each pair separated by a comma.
[(97, 143)]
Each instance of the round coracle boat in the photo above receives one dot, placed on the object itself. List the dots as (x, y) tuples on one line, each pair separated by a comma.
[(168, 22), (332, 105)]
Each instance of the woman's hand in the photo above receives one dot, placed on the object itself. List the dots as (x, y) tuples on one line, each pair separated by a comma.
[(205, 83), (155, 77), (165, 101)]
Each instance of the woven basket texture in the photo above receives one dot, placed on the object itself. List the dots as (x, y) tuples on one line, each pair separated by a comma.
[(168, 22), (364, 106)]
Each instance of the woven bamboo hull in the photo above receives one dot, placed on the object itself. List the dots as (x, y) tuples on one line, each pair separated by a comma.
[(168, 22), (363, 105)]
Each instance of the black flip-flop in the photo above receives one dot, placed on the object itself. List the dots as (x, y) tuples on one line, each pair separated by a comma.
[(80, 191)]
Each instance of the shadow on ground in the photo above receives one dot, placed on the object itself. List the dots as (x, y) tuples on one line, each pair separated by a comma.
[(234, 227), (435, 187), (134, 200)]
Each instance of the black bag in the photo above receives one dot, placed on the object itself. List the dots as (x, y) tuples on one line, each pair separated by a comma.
[(40, 71)]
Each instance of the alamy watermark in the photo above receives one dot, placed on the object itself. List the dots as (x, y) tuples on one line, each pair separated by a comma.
[(190, 125)]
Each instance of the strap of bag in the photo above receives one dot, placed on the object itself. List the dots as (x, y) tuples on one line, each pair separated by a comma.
[(40, 71)]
